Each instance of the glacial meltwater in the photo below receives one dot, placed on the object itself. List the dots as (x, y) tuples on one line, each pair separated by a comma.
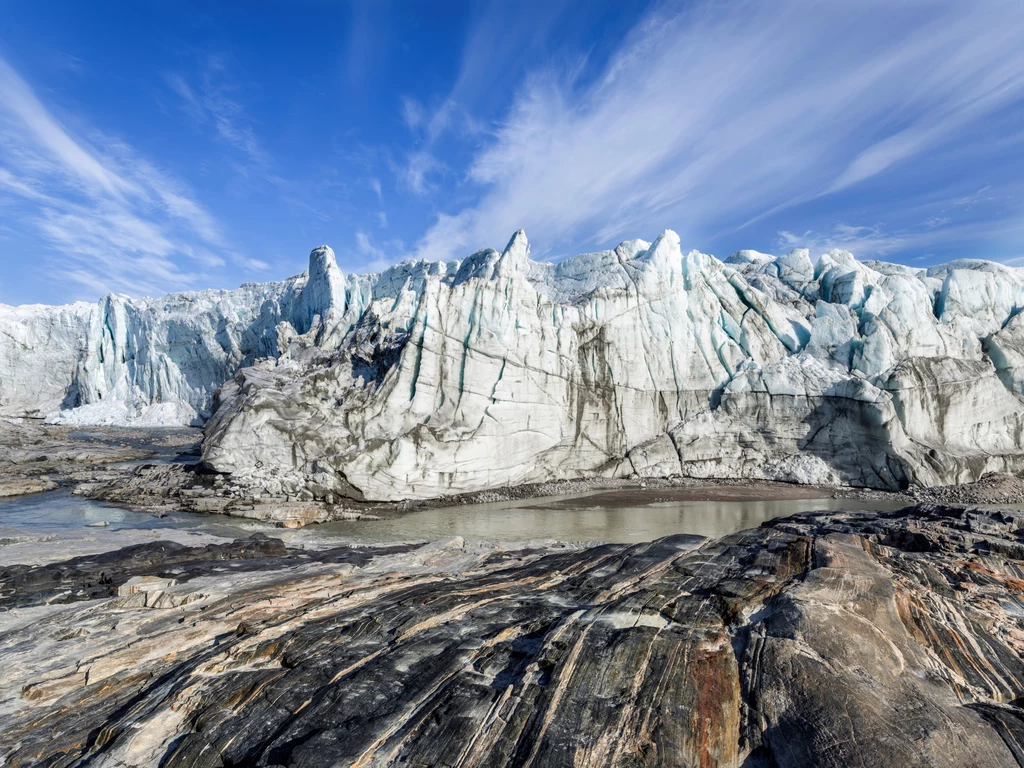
[(581, 517)]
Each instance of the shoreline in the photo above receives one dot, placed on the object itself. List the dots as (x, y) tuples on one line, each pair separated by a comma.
[(169, 487), (152, 470)]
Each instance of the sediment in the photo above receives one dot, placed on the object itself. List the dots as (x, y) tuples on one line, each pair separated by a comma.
[(37, 457)]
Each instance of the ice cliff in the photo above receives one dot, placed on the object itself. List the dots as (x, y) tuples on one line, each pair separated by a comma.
[(152, 362), (434, 378)]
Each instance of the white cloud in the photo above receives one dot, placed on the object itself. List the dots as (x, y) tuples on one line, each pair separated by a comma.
[(968, 201), (412, 113), (22, 106), (117, 222), (212, 103), (376, 257), (723, 112), (413, 174), (867, 242), (429, 127), (878, 242), (191, 102), (249, 263)]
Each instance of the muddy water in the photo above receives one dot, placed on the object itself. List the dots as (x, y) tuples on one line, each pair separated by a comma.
[(580, 521), (567, 518)]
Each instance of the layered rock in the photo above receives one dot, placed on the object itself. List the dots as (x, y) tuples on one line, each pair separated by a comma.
[(827, 639), (432, 379)]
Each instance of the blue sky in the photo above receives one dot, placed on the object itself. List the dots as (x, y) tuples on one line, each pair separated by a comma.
[(155, 146)]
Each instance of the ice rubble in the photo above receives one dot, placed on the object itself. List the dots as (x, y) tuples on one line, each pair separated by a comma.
[(435, 378)]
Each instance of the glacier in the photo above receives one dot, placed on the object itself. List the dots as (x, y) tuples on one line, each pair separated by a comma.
[(431, 379)]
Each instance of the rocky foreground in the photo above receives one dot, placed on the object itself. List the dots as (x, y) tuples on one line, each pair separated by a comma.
[(881, 639)]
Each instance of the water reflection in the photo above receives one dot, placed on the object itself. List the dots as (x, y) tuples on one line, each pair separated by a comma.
[(59, 511), (626, 524), (568, 518)]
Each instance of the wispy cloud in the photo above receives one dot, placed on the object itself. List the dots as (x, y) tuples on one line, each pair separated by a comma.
[(212, 102), (79, 164), (429, 127), (374, 184), (713, 116), (877, 241), (412, 113), (254, 265), (969, 201), (382, 216), (414, 174), (115, 221), (376, 257), (865, 241)]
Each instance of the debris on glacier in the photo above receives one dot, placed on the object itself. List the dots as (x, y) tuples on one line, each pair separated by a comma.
[(433, 379)]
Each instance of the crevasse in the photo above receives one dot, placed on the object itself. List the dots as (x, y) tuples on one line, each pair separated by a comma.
[(434, 378)]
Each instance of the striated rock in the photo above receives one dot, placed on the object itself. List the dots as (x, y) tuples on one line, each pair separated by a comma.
[(153, 592), (496, 371), (135, 570), (138, 584), (827, 639), (20, 486)]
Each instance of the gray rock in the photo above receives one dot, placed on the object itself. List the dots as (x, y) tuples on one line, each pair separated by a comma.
[(828, 639)]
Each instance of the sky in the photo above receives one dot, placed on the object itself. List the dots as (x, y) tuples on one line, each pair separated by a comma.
[(148, 147)]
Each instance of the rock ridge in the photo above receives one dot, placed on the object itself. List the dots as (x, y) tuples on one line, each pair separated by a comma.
[(826, 639)]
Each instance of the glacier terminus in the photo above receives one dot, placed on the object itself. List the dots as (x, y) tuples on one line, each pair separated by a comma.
[(432, 379)]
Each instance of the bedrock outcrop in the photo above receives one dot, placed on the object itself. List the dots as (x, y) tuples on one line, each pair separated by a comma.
[(827, 639), (433, 379)]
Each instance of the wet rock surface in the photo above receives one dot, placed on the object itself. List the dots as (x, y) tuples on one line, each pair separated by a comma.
[(106, 574), (835, 639)]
